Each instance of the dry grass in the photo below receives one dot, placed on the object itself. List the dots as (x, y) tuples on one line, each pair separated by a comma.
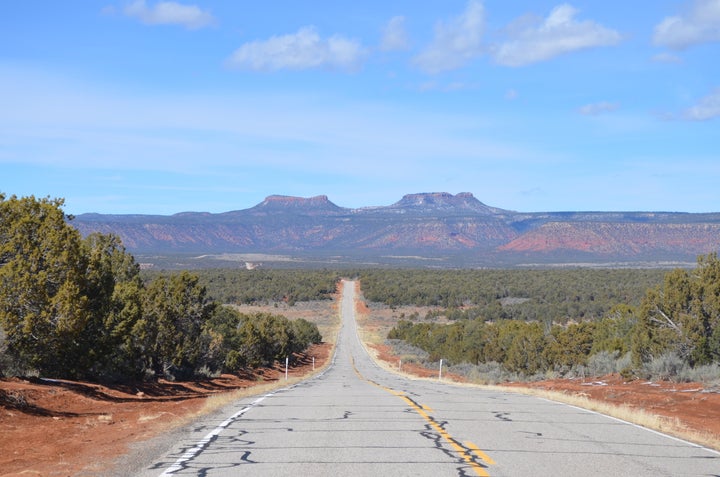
[(629, 414), (330, 323), (373, 325), (220, 400)]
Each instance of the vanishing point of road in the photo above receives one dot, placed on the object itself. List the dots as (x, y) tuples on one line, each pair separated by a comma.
[(357, 419)]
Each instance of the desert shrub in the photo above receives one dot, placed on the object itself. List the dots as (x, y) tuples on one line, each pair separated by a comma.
[(579, 371), (406, 351), (708, 374), (206, 372), (490, 373), (607, 362), (482, 373), (667, 366)]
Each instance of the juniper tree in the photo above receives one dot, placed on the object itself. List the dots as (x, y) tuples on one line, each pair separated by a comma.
[(43, 306)]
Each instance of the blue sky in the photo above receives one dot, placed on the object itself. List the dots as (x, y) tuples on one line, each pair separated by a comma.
[(163, 107)]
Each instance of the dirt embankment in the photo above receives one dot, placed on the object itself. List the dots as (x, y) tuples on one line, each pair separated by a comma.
[(63, 428)]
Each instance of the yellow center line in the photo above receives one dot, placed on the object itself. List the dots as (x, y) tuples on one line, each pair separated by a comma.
[(463, 451), (476, 450)]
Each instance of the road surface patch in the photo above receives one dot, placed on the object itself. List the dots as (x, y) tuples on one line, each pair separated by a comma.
[(464, 451)]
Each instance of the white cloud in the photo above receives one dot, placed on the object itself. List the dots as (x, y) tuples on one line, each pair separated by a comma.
[(394, 35), (169, 13), (598, 108), (456, 42), (707, 108), (700, 24), (559, 33), (666, 58), (299, 51)]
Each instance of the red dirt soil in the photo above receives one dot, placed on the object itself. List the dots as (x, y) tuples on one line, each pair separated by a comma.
[(686, 406), (56, 427)]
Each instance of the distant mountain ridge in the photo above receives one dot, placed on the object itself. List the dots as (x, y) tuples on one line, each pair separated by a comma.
[(436, 224)]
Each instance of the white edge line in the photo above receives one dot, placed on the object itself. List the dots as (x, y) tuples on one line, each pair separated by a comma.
[(202, 443), (653, 431)]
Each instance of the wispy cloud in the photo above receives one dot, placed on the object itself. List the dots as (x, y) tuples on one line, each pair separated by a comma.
[(299, 51), (699, 24), (169, 13), (706, 108), (558, 34), (666, 58), (72, 124), (456, 42), (395, 37), (598, 108)]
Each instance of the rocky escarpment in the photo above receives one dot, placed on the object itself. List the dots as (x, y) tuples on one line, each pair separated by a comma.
[(426, 224)]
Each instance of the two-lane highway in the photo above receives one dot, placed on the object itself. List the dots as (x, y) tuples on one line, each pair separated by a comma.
[(357, 419)]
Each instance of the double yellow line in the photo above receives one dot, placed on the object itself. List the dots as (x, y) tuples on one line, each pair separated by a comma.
[(468, 451)]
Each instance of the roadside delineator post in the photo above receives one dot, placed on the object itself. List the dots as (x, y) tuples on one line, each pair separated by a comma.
[(286, 368), (440, 373)]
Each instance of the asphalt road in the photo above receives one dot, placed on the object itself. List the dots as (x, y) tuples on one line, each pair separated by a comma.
[(357, 419)]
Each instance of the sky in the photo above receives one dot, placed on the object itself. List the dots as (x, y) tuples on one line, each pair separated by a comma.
[(161, 107)]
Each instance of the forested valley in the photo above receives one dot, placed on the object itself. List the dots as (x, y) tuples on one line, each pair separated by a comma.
[(74, 307), (517, 324)]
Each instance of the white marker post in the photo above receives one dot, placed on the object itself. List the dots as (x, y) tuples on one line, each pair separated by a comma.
[(440, 374), (286, 368)]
